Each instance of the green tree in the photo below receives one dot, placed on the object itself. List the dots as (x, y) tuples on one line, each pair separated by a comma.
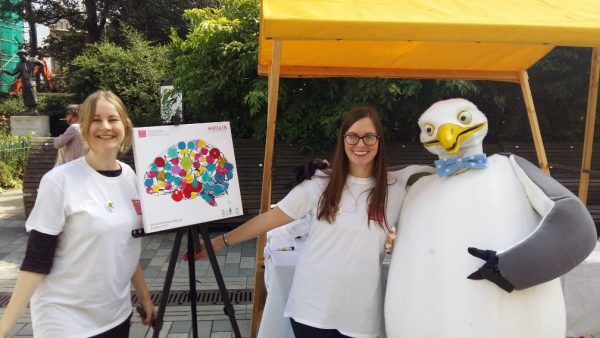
[(216, 72), (90, 20), (133, 72), (559, 83), (216, 64)]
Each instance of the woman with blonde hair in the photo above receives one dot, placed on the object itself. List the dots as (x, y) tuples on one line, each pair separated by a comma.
[(81, 260)]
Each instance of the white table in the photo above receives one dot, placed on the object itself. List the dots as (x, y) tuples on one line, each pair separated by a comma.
[(273, 323), (581, 287)]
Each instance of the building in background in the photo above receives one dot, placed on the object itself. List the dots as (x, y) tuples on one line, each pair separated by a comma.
[(60, 28), (11, 39)]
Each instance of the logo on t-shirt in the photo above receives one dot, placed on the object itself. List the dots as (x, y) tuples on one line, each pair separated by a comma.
[(374, 215), (138, 206)]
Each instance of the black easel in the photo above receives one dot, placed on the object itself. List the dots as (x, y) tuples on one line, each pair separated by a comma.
[(193, 246)]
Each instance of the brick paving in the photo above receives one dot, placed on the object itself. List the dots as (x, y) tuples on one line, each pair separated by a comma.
[(236, 264)]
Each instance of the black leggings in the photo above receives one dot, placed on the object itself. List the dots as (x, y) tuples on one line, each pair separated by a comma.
[(305, 331), (119, 331)]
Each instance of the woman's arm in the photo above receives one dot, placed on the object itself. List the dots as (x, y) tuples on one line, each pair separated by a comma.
[(141, 289), (26, 285), (256, 226)]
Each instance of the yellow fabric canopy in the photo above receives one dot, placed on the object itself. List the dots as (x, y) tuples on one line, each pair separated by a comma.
[(469, 39)]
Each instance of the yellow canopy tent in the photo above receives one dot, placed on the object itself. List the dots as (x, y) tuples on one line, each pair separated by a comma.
[(442, 39)]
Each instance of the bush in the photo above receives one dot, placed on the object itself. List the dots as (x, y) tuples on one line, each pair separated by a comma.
[(7, 180), (134, 73), (9, 106), (13, 158)]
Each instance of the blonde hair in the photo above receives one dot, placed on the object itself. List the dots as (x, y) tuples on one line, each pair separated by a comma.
[(88, 110)]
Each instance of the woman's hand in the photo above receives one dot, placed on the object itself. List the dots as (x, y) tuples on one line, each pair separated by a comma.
[(389, 241), (147, 312), (201, 254)]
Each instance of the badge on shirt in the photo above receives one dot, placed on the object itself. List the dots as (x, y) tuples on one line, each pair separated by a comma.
[(374, 215), (138, 206)]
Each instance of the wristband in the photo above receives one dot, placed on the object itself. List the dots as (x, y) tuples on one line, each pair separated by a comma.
[(225, 240)]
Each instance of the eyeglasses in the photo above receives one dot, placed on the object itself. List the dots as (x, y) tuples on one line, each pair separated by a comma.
[(369, 139)]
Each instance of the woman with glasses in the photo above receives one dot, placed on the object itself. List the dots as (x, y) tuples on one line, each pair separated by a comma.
[(336, 291)]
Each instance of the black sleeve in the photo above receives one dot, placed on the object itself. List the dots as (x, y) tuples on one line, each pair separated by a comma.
[(39, 255)]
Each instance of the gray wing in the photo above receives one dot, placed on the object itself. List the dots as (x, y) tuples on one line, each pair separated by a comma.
[(565, 236)]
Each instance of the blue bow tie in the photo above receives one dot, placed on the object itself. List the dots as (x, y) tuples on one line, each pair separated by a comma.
[(448, 166)]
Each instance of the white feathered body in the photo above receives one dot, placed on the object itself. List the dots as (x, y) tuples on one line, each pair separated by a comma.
[(428, 293)]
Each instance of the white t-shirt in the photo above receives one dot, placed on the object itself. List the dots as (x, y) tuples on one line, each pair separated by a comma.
[(337, 281), (87, 290)]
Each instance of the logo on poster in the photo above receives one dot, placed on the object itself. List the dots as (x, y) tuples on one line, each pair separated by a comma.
[(217, 128), (141, 133)]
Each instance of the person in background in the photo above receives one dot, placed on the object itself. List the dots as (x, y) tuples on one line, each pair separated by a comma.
[(81, 259), (336, 289), (70, 144)]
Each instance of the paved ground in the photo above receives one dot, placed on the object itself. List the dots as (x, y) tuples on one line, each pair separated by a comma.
[(236, 263)]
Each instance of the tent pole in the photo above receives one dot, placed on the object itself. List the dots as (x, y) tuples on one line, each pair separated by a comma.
[(260, 294), (590, 123), (533, 122)]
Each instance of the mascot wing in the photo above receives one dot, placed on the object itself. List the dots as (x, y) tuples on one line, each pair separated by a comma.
[(565, 236)]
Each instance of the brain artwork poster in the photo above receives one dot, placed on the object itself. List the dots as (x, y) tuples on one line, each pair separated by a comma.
[(186, 175)]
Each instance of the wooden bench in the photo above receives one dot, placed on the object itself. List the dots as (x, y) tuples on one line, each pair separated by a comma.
[(249, 156), (564, 159)]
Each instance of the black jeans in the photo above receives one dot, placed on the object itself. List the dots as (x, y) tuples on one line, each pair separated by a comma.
[(305, 331), (119, 331)]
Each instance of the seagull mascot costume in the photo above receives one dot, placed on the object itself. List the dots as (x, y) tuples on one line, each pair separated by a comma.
[(480, 245)]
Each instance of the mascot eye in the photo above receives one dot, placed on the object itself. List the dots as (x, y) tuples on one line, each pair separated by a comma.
[(429, 129), (464, 117)]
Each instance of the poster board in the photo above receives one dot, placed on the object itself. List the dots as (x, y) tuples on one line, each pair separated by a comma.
[(186, 174)]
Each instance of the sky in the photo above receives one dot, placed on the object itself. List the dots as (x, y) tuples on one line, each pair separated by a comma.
[(42, 32)]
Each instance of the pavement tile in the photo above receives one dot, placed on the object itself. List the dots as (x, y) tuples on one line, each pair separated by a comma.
[(233, 257), (180, 327), (247, 262)]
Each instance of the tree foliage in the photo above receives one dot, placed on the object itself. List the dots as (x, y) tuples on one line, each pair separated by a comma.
[(216, 64), (215, 53), (133, 72), (92, 20), (559, 85), (216, 71)]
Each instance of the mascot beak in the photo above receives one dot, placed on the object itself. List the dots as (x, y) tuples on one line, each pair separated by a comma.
[(450, 136)]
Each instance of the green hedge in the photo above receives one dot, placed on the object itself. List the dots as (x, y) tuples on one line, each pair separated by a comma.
[(13, 158)]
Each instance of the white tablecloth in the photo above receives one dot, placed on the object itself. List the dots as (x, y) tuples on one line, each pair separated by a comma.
[(273, 323), (581, 287)]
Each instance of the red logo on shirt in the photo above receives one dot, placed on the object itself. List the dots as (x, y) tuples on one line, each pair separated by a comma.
[(374, 215), (142, 133), (138, 206)]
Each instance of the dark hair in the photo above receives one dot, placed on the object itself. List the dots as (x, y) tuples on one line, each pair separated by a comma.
[(340, 168), (72, 109)]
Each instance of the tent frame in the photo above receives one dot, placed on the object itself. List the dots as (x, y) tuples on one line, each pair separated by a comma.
[(274, 71)]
